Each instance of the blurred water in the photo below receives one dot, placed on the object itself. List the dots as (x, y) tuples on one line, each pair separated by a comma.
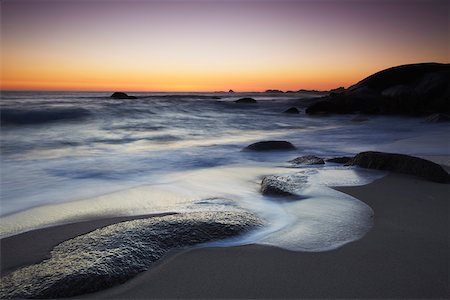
[(61, 147)]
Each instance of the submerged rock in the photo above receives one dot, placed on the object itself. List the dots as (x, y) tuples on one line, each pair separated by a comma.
[(245, 100), (401, 163), (292, 110), (340, 160), (282, 185), (270, 145), (121, 95), (111, 255), (307, 160)]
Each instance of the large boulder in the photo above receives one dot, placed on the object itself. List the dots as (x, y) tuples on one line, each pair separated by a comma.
[(401, 163), (111, 255), (415, 89), (270, 146), (121, 95), (245, 100), (307, 160)]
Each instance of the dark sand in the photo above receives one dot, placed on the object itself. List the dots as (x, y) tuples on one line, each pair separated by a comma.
[(405, 255)]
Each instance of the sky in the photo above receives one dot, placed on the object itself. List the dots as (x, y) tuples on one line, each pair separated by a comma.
[(213, 45)]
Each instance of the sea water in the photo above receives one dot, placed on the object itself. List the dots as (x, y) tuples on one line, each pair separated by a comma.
[(67, 157)]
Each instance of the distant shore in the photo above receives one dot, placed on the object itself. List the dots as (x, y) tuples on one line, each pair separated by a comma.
[(403, 256)]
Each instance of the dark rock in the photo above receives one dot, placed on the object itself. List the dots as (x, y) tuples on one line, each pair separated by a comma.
[(274, 91), (401, 163), (274, 185), (121, 95), (340, 160), (111, 255), (438, 118), (307, 160), (245, 100), (415, 89), (270, 146), (292, 110), (230, 91)]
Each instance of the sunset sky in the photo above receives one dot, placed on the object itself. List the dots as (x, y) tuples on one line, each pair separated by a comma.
[(213, 45)]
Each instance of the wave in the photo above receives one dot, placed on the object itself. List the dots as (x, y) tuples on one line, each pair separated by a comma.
[(10, 116)]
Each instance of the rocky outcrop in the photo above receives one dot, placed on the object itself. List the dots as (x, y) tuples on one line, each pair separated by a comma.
[(111, 255), (121, 95), (340, 160), (307, 160), (270, 146), (274, 91), (230, 91), (245, 100), (401, 163), (292, 110), (415, 89)]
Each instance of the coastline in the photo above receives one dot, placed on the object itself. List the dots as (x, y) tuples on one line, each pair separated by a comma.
[(403, 256)]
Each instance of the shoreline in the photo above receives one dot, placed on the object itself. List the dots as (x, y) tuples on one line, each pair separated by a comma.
[(403, 255)]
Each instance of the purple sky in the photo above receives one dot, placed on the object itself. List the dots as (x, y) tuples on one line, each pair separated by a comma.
[(208, 45)]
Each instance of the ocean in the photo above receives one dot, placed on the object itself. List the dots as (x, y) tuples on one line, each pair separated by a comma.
[(71, 156)]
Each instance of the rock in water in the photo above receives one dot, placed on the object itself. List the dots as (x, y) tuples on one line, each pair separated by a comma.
[(292, 110), (282, 185), (230, 91), (111, 255), (121, 95), (270, 146), (307, 160), (340, 160), (401, 163), (245, 100)]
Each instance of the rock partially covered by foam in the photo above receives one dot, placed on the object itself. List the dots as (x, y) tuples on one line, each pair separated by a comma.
[(270, 146), (307, 160), (113, 254), (274, 185), (121, 95), (401, 163)]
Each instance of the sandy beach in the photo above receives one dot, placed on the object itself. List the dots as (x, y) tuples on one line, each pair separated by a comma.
[(405, 255)]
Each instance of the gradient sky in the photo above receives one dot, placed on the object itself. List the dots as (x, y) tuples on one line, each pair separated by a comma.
[(213, 45)]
